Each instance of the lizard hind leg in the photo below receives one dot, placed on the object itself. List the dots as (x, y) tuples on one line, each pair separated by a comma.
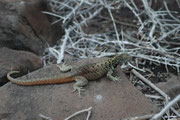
[(80, 83), (64, 67)]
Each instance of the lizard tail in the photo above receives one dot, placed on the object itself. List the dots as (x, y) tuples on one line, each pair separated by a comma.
[(40, 81)]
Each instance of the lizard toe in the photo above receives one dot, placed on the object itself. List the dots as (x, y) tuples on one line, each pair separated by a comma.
[(117, 79), (78, 89)]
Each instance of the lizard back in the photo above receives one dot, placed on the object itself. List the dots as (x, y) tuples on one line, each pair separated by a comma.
[(97, 70)]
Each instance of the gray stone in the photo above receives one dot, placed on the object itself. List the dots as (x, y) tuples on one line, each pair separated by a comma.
[(17, 60), (23, 26), (109, 100), (172, 86)]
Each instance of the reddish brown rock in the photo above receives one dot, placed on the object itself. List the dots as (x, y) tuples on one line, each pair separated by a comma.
[(17, 60), (109, 100), (23, 26)]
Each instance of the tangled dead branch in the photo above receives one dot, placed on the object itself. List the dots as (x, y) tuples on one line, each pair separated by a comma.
[(151, 35), (154, 40)]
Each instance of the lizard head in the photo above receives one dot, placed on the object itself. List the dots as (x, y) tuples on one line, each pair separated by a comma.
[(122, 58)]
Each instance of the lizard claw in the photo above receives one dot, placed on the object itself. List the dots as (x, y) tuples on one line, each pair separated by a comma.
[(64, 67), (79, 89), (117, 79)]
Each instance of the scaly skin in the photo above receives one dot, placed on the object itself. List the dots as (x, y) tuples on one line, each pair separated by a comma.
[(81, 76)]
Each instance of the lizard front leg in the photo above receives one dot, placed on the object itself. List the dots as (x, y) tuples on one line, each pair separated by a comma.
[(80, 83), (109, 75), (64, 67)]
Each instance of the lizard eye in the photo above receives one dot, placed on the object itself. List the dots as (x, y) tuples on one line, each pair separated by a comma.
[(118, 62)]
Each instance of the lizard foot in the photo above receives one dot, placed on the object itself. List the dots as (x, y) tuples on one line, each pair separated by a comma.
[(64, 67), (80, 82), (109, 75), (116, 79), (79, 89)]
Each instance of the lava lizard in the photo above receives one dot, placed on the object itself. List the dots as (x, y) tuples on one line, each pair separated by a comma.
[(82, 75)]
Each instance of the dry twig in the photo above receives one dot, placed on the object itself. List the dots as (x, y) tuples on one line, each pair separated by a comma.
[(79, 112), (144, 117), (45, 117), (155, 88), (167, 107)]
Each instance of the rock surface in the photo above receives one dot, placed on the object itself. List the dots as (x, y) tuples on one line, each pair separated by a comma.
[(23, 26), (109, 100), (17, 60), (172, 86)]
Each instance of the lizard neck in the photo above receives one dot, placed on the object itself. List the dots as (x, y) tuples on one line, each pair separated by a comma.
[(115, 61), (119, 59)]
